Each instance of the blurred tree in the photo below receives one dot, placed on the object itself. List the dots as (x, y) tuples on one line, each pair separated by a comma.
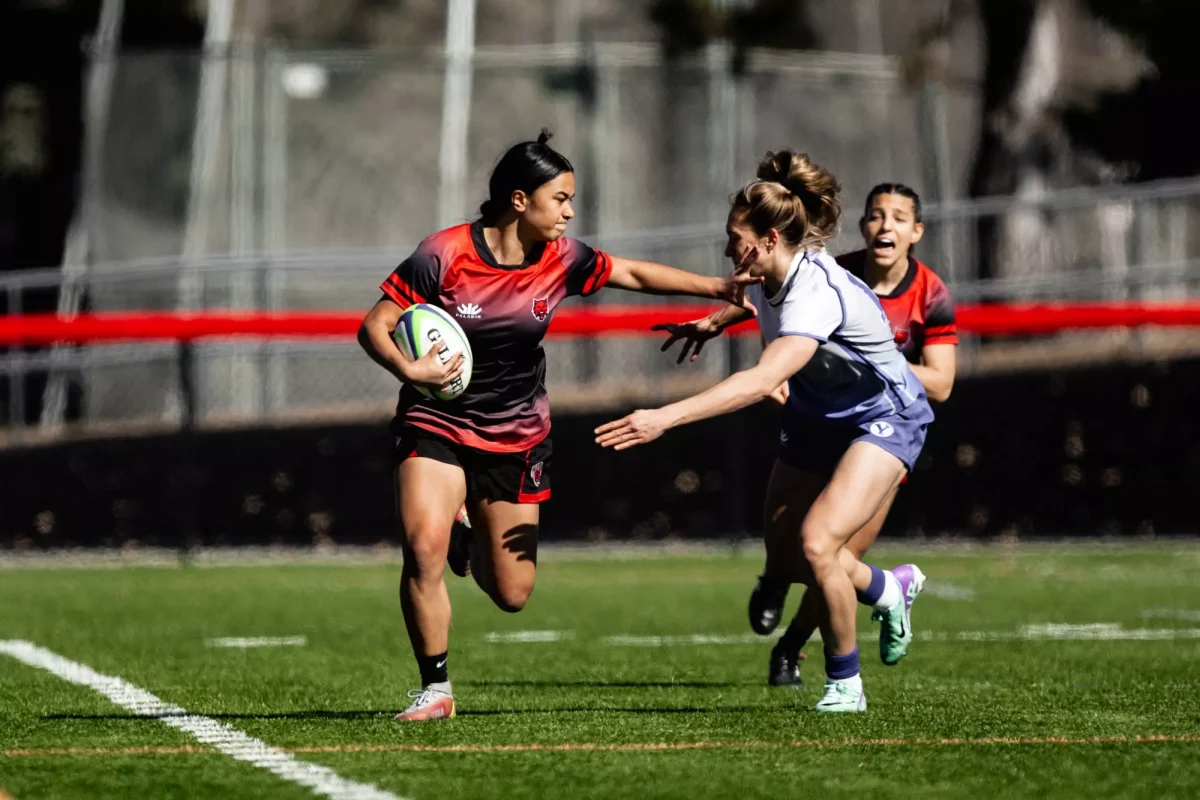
[(1073, 92), (1078, 92), (1152, 139)]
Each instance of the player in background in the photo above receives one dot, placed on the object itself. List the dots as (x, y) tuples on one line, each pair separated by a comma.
[(921, 313), (501, 277), (854, 421)]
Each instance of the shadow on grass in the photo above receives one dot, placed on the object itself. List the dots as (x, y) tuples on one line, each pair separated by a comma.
[(600, 684), (363, 715)]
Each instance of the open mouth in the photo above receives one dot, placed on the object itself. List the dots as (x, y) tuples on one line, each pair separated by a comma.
[(883, 245)]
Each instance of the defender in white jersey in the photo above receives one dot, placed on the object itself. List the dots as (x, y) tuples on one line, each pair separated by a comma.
[(857, 375), (827, 337)]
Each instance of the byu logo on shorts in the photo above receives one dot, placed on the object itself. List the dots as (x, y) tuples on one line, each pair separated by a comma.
[(882, 429)]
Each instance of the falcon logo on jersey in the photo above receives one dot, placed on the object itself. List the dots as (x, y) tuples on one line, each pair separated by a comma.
[(535, 474), (541, 308)]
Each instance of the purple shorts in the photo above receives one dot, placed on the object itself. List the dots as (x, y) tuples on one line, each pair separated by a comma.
[(815, 445)]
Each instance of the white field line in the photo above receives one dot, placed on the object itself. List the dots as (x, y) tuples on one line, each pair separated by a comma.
[(258, 641), (1171, 613), (1096, 632), (527, 637), (948, 591), (683, 641), (228, 740)]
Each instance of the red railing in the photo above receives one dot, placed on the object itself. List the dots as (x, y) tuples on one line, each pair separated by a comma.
[(606, 321)]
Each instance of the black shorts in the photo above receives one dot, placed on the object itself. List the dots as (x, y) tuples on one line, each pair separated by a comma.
[(522, 477)]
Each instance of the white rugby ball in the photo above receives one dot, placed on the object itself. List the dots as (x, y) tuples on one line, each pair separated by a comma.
[(423, 327)]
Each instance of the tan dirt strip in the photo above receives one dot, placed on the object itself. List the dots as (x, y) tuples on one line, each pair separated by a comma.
[(637, 747)]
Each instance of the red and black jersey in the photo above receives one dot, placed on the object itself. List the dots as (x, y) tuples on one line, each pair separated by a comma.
[(920, 308), (505, 311)]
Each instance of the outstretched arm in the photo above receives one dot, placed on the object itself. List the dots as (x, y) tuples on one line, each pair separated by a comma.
[(695, 333), (783, 358), (651, 278)]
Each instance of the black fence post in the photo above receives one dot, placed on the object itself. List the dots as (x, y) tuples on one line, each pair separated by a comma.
[(189, 486), (736, 462)]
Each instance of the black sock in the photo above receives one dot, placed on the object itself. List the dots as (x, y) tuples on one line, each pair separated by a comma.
[(795, 637), (433, 669)]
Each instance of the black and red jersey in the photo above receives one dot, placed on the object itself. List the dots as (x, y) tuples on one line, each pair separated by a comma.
[(505, 311), (920, 309)]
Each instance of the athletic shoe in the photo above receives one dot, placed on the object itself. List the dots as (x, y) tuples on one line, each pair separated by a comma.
[(785, 667), (895, 634), (459, 556), (766, 606), (843, 697), (428, 704)]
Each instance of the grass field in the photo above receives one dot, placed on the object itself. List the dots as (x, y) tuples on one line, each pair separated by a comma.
[(1060, 671)]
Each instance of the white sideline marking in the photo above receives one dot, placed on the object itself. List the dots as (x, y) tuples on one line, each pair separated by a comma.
[(258, 641), (1171, 613), (527, 637), (680, 641), (948, 591), (1106, 632), (230, 741), (1057, 632), (1052, 632)]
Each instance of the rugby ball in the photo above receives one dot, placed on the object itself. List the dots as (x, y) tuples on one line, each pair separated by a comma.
[(423, 327)]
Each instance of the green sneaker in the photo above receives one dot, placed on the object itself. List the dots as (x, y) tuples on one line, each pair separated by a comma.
[(895, 634), (843, 697)]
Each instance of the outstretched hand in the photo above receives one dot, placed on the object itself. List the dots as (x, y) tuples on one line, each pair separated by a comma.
[(697, 332), (732, 288), (639, 427), (694, 335)]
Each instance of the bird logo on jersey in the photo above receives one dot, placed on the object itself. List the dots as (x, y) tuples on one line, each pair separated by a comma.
[(541, 308), (535, 473)]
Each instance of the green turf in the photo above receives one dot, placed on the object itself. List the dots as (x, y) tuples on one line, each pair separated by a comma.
[(149, 627)]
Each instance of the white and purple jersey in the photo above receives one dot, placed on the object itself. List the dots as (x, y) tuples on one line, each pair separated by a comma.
[(857, 374)]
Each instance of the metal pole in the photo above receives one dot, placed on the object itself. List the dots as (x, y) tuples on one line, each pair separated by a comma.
[(603, 203), (566, 21), (275, 156), (567, 32), (275, 181), (243, 226), (456, 110), (206, 142), (77, 253), (935, 142), (189, 473), (868, 19)]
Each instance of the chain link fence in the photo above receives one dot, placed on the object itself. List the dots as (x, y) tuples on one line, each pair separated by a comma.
[(274, 151), (303, 178)]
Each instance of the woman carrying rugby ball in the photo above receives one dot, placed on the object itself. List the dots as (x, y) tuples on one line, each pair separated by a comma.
[(501, 278)]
